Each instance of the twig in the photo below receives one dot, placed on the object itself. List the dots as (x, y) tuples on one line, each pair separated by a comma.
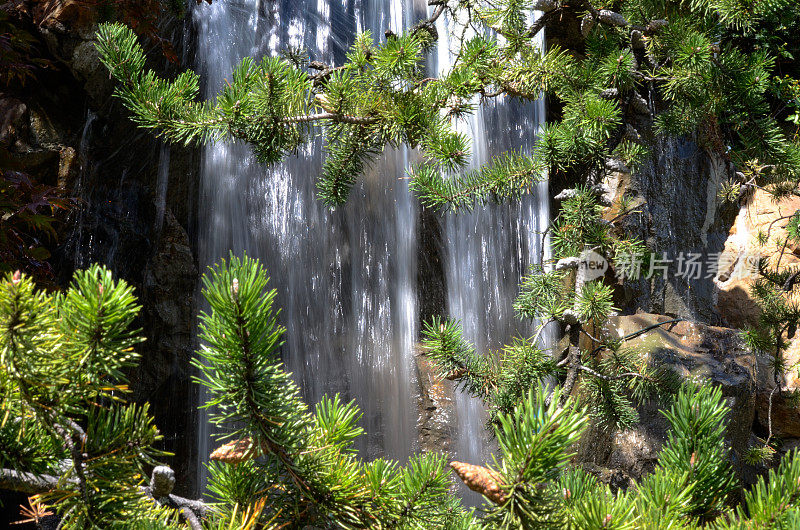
[(343, 118), (541, 22), (25, 482), (590, 336), (769, 416), (612, 377), (639, 332), (32, 483), (573, 362), (539, 331), (191, 519), (790, 281)]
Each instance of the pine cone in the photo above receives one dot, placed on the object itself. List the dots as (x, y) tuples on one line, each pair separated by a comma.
[(612, 18), (481, 480), (235, 452)]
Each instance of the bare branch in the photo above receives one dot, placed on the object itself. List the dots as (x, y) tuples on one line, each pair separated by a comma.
[(612, 377), (24, 482), (343, 118)]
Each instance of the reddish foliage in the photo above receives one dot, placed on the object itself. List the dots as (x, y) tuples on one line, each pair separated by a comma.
[(18, 55), (28, 212)]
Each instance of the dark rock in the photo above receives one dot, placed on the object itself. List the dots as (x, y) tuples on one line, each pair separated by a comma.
[(65, 128), (678, 213), (436, 414), (693, 351), (431, 284), (86, 64), (616, 479)]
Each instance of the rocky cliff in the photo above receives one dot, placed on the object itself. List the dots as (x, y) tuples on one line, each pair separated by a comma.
[(135, 197)]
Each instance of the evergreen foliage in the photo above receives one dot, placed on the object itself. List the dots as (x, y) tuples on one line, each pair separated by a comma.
[(63, 358), (306, 466), (723, 71), (294, 466), (612, 378)]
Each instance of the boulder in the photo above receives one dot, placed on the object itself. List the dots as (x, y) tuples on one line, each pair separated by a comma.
[(785, 421), (86, 66), (693, 351), (13, 122)]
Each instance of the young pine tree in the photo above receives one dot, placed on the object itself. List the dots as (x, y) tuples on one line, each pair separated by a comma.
[(298, 461)]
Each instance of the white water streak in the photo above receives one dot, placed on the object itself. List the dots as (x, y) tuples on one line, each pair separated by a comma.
[(345, 279)]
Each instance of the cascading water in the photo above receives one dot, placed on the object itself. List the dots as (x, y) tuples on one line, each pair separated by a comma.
[(487, 250), (345, 279)]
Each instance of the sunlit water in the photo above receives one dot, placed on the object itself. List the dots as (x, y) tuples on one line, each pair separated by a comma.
[(487, 250), (347, 279)]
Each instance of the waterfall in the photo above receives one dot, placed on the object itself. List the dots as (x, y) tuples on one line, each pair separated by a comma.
[(347, 279), (489, 249)]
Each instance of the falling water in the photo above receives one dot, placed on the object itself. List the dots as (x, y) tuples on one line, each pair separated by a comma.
[(489, 249), (162, 181), (75, 246), (345, 279)]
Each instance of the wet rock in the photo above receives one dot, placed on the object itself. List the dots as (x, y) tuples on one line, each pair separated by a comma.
[(64, 128), (431, 288), (693, 351), (87, 67), (29, 142), (677, 212), (13, 122), (436, 413)]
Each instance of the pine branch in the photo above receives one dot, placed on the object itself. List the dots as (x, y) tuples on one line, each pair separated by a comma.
[(507, 177), (340, 118)]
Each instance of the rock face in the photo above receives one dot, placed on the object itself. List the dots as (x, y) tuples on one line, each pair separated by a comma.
[(759, 213), (691, 350), (135, 212), (678, 213)]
